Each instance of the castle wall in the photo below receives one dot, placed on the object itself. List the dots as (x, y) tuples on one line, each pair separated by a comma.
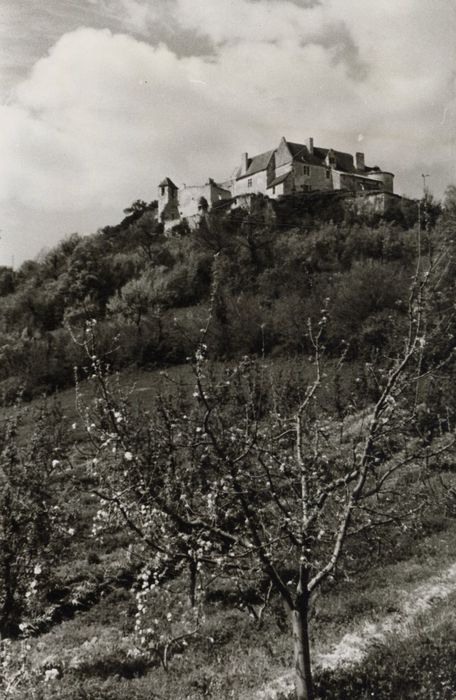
[(282, 155), (353, 182), (320, 178), (281, 189), (386, 180), (306, 178), (190, 196), (253, 184), (375, 203)]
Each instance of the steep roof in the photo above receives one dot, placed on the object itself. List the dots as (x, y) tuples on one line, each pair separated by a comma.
[(279, 180), (344, 161), (167, 182), (301, 153), (257, 164)]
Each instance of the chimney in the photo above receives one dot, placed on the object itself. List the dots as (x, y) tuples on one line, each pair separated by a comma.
[(310, 146), (244, 163), (359, 161)]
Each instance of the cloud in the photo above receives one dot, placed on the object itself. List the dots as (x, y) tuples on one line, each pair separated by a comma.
[(105, 115), (104, 112)]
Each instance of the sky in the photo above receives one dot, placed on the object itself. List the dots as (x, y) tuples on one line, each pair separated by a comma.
[(102, 99)]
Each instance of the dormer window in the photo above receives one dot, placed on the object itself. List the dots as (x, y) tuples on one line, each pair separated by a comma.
[(162, 191)]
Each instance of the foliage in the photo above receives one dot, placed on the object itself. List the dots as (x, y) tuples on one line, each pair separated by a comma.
[(273, 269), (32, 517), (240, 481)]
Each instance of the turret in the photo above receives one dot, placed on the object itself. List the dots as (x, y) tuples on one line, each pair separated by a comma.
[(167, 199), (385, 179)]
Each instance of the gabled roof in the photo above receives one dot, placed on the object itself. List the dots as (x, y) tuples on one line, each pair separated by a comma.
[(279, 180), (257, 164), (301, 153), (298, 151), (168, 183), (221, 188), (344, 161)]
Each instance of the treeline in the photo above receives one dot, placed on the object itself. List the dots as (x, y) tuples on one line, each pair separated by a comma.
[(261, 278)]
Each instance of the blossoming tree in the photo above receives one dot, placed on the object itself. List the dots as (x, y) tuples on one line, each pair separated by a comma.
[(237, 477)]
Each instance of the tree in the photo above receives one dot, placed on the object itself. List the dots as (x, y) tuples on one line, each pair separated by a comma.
[(138, 206), (242, 481), (7, 281), (147, 232), (133, 301), (31, 515)]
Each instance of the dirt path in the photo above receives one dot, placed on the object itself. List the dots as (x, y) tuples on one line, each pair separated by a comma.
[(354, 645)]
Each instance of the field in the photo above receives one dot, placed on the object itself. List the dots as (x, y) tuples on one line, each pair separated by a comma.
[(383, 631), (258, 456), (389, 633)]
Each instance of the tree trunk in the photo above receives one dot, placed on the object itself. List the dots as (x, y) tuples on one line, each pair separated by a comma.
[(9, 620), (303, 672), (193, 571)]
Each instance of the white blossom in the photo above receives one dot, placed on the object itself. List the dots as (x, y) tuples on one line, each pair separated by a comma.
[(51, 674)]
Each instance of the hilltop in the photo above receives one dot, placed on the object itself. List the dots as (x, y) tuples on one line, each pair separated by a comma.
[(150, 290)]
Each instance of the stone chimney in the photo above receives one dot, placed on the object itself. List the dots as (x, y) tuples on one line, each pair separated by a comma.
[(310, 145), (359, 161), (244, 163)]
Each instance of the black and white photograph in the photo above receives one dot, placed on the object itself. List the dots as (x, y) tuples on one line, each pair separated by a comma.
[(227, 349)]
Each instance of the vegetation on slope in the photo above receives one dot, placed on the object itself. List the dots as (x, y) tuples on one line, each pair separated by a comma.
[(150, 292), (143, 474)]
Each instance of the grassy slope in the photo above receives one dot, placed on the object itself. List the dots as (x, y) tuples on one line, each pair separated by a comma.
[(234, 656)]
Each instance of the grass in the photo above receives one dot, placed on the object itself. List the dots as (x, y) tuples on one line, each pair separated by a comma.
[(233, 656), (420, 665), (144, 384)]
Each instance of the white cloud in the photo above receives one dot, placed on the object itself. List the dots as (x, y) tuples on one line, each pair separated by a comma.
[(242, 20), (104, 116)]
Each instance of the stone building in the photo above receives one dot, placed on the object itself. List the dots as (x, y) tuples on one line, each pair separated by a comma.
[(297, 167), (187, 202), (288, 169)]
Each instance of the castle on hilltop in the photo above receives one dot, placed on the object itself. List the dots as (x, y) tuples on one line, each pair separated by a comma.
[(286, 170)]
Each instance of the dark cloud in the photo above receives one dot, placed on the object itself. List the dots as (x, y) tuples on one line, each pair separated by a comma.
[(298, 3), (338, 40)]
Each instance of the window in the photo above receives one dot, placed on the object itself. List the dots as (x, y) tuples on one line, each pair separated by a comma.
[(328, 174), (306, 170), (162, 191), (273, 190), (249, 182)]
